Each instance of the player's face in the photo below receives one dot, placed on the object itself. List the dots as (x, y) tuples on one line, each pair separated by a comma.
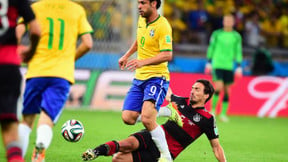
[(228, 21), (145, 8), (197, 96)]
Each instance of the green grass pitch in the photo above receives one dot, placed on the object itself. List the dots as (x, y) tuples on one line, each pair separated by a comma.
[(244, 139)]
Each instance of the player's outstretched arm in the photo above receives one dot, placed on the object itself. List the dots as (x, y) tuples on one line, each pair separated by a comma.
[(124, 59), (20, 30), (27, 53), (34, 35), (85, 45), (158, 59), (218, 150)]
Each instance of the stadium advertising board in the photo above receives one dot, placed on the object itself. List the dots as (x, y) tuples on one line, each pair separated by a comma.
[(264, 96), (261, 96)]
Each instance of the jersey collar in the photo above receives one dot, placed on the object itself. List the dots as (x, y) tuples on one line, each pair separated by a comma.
[(153, 21), (201, 107)]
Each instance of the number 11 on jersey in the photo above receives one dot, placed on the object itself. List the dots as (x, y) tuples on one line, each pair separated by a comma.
[(51, 33)]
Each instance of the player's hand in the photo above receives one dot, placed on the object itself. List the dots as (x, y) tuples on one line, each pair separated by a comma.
[(238, 73), (133, 64), (122, 62), (208, 68), (23, 52)]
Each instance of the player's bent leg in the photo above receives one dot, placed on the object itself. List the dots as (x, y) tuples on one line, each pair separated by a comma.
[(38, 153), (110, 148), (225, 104), (9, 130), (129, 117), (122, 157), (43, 137), (28, 120), (44, 118), (44, 130), (164, 111), (149, 114), (219, 85), (25, 128), (106, 149), (129, 144), (174, 114), (89, 155)]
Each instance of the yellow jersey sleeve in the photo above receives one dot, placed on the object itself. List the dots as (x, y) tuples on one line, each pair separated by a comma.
[(165, 38), (84, 26)]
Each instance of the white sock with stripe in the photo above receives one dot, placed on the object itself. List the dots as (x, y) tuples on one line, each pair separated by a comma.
[(44, 135)]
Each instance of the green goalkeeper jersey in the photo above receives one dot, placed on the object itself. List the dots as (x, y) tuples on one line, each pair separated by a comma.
[(225, 48)]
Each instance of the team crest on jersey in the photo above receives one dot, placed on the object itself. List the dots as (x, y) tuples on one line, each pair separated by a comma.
[(196, 118), (168, 39), (152, 33)]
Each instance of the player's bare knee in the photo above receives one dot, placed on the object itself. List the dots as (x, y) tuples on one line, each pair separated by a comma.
[(114, 158), (29, 120), (128, 118), (6, 124), (147, 121), (117, 157), (128, 121), (129, 147)]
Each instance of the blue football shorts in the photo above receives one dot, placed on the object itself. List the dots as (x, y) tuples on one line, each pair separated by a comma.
[(153, 89), (45, 93)]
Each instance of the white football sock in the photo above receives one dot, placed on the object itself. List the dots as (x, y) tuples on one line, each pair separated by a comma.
[(44, 135), (139, 119), (158, 136), (164, 111), (24, 133)]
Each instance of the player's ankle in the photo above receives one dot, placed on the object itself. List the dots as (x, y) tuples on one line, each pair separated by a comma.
[(14, 153), (166, 155)]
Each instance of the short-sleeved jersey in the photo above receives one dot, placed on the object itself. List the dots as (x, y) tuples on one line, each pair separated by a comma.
[(9, 12), (196, 121), (61, 22), (225, 48), (152, 39)]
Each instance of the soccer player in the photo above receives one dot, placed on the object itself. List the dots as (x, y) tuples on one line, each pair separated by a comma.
[(189, 123), (51, 71), (225, 47), (10, 81), (154, 48)]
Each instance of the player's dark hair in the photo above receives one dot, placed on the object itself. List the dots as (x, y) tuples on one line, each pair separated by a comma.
[(208, 88), (158, 3)]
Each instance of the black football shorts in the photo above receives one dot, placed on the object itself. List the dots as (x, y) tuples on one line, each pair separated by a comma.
[(147, 151), (10, 84)]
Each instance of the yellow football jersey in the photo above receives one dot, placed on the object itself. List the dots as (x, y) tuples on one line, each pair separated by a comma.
[(61, 22), (152, 39)]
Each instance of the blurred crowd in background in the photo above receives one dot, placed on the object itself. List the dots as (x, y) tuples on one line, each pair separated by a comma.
[(258, 21), (109, 17)]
